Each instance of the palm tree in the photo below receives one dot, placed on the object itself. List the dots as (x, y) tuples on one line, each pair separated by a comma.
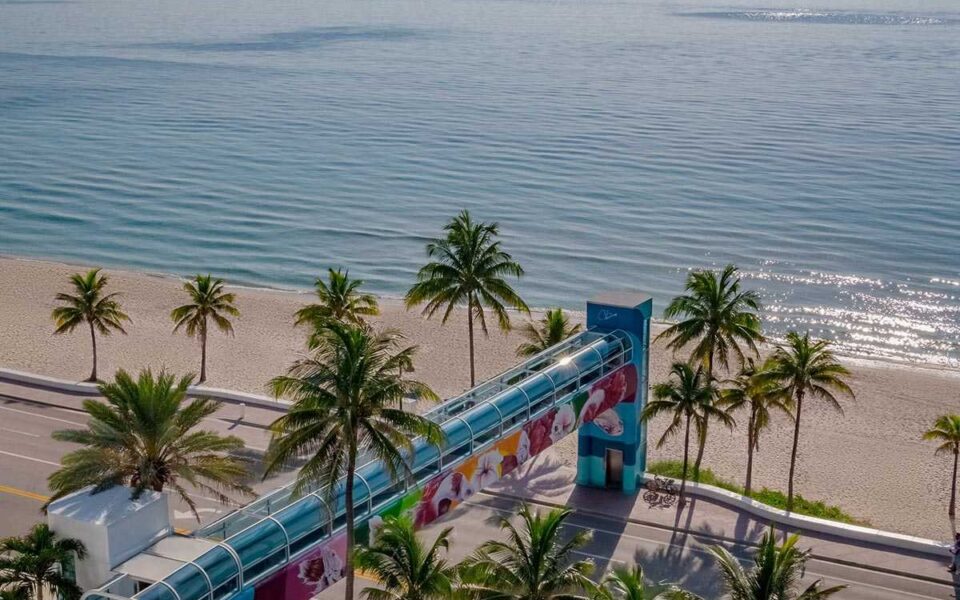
[(34, 563), (752, 390), (947, 431), (101, 312), (146, 436), (776, 573), (533, 564), (407, 568), (468, 267), (208, 301), (344, 396), (552, 329), (688, 396), (717, 316), (15, 593), (628, 583), (804, 367), (340, 300)]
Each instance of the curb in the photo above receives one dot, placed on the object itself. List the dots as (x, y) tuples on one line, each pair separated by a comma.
[(720, 538), (75, 388), (803, 522), (87, 389)]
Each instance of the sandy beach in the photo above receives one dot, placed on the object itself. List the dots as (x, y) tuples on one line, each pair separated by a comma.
[(871, 461)]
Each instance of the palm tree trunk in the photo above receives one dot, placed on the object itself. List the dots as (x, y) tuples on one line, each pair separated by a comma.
[(702, 437), (686, 455), (702, 445), (203, 351), (93, 340), (953, 484), (348, 499), (473, 376), (751, 442), (793, 453)]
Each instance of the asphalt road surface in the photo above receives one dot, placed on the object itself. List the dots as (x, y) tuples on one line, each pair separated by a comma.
[(28, 455), (666, 556)]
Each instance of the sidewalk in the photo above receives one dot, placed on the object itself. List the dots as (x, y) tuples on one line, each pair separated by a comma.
[(253, 416), (549, 482)]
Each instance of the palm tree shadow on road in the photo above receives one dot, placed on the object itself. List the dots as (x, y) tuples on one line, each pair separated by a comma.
[(692, 569)]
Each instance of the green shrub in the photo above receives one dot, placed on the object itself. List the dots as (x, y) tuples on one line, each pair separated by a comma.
[(773, 498)]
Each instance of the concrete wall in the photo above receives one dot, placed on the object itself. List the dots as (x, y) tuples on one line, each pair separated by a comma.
[(113, 527), (802, 522)]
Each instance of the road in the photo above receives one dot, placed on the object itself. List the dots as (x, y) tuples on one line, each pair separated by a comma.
[(28, 455), (666, 556)]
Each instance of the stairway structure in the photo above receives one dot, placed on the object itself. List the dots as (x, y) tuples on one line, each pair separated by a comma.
[(286, 547)]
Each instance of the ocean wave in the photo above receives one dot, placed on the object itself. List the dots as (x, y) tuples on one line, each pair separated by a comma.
[(826, 17), (285, 41), (614, 152)]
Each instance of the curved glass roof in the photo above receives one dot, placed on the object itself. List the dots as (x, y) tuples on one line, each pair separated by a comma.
[(254, 541)]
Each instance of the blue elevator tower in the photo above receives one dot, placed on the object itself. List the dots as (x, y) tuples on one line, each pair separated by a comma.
[(612, 446)]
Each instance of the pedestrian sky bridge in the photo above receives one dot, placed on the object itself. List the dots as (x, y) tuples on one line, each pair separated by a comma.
[(260, 540)]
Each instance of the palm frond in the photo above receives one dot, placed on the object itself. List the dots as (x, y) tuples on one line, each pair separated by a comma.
[(549, 331), (145, 434)]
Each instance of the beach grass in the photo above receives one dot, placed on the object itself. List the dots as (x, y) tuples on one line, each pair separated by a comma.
[(772, 498)]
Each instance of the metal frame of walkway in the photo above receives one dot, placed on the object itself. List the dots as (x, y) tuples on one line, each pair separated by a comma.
[(257, 540)]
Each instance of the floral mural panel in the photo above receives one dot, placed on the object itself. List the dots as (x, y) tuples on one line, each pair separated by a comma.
[(598, 405), (443, 493), (309, 575), (619, 386)]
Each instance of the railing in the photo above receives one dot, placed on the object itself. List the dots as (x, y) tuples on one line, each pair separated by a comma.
[(441, 414), (255, 541)]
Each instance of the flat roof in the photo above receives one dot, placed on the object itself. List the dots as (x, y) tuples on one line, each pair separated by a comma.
[(163, 558), (623, 298), (103, 508)]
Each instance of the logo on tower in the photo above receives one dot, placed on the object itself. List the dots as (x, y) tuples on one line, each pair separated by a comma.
[(605, 314)]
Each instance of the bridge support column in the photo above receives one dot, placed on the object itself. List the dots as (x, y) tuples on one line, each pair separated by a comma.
[(612, 446)]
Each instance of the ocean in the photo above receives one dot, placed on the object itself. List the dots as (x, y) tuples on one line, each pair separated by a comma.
[(619, 144)]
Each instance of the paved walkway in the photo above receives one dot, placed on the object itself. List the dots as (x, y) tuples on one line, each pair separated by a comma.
[(549, 482)]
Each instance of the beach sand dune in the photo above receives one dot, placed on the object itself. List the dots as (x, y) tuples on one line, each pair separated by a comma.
[(870, 461)]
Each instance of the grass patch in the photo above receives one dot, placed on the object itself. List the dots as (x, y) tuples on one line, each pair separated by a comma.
[(773, 498)]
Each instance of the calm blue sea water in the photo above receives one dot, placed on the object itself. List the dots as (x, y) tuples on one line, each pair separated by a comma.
[(817, 145)]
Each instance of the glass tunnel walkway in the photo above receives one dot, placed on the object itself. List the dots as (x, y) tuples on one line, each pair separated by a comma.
[(257, 540)]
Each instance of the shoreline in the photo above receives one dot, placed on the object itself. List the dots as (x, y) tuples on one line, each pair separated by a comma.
[(867, 462), (658, 323)]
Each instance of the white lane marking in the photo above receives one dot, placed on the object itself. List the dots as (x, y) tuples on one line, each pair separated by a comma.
[(32, 414), (39, 460), (257, 448), (702, 550), (20, 432), (189, 515)]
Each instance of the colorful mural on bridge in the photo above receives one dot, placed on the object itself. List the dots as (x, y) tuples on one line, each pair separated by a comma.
[(323, 566), (310, 575)]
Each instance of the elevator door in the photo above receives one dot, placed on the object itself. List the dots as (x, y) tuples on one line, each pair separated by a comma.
[(614, 468)]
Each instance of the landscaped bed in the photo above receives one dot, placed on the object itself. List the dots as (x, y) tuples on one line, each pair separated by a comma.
[(772, 498)]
